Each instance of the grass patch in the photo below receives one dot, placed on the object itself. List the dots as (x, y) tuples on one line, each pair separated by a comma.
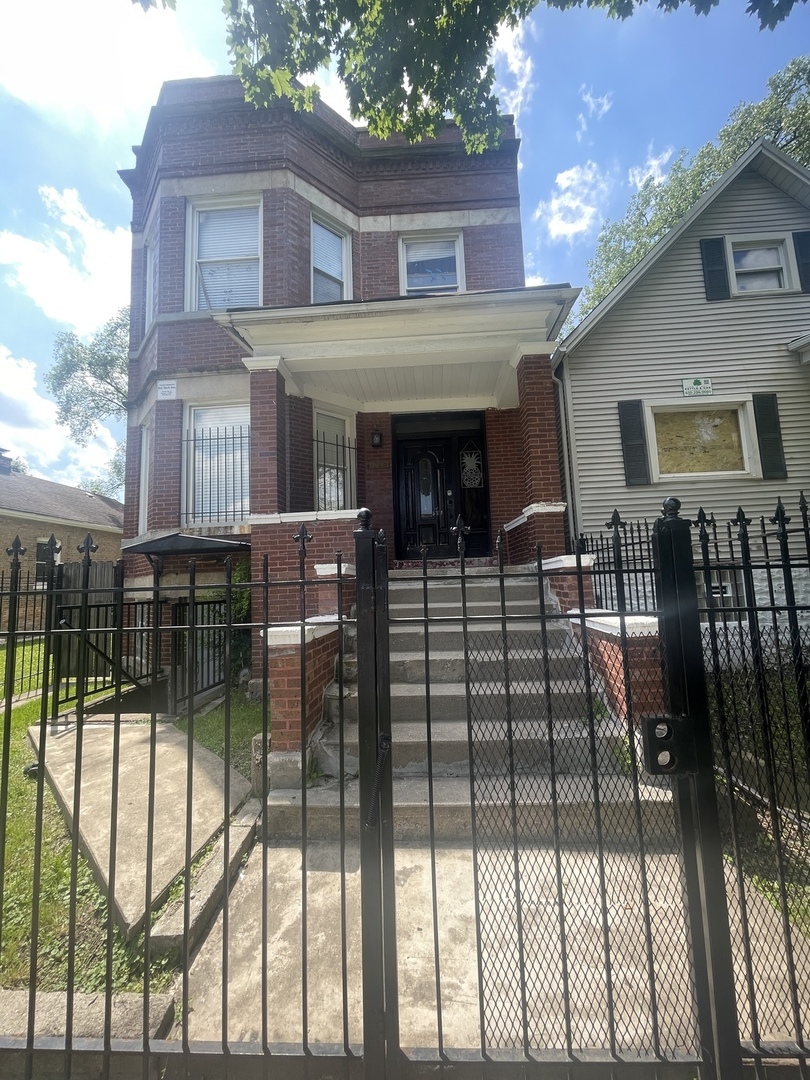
[(29, 661), (245, 722), (54, 895)]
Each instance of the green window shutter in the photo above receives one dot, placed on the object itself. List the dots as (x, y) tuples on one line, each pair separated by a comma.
[(715, 271), (801, 243), (769, 437), (634, 443)]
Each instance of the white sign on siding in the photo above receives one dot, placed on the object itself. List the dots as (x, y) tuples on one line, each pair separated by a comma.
[(697, 387)]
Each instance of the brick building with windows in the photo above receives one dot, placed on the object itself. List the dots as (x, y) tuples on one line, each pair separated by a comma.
[(321, 321)]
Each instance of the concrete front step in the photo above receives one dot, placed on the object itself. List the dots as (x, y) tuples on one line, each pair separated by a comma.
[(447, 665), (481, 634), (531, 750), (476, 595), (528, 701), (576, 820)]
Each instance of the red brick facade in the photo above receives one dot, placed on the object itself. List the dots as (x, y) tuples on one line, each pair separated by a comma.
[(203, 142)]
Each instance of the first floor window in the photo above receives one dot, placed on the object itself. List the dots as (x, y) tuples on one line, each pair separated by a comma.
[(335, 462), (219, 463), (699, 441), (669, 439), (226, 257), (431, 264)]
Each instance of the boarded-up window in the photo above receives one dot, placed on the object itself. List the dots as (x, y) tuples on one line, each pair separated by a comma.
[(699, 441)]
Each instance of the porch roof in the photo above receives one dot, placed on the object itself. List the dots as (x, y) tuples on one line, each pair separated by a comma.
[(409, 354)]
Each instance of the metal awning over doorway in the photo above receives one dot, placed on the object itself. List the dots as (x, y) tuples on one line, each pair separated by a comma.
[(187, 544)]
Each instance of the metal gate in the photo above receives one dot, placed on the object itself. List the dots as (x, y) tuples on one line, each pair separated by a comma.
[(504, 832)]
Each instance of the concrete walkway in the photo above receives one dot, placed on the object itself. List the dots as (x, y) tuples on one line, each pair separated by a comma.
[(169, 819), (308, 988)]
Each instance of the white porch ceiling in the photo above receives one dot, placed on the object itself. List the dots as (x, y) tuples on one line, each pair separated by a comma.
[(412, 354)]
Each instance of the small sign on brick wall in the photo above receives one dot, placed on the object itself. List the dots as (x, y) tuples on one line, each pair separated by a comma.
[(167, 390), (697, 387)]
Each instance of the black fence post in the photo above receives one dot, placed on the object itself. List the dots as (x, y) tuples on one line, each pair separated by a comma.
[(371, 886), (695, 795)]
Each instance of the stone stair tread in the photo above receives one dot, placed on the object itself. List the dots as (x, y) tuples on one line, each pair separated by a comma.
[(456, 731), (554, 653), (455, 791), (479, 624)]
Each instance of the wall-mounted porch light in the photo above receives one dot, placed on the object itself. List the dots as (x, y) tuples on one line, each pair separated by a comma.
[(376, 437)]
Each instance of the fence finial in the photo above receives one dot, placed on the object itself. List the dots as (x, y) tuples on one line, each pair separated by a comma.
[(671, 507), (615, 521), (780, 518), (87, 548), (16, 550), (364, 517), (460, 531), (303, 538)]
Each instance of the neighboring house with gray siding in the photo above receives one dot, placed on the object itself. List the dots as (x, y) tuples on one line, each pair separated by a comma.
[(692, 377)]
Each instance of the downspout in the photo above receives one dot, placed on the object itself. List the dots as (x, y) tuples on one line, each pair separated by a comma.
[(569, 486)]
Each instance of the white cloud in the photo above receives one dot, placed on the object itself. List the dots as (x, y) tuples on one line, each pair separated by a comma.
[(96, 63), (78, 271), (573, 211), (514, 69), (653, 167), (535, 279), (595, 107), (29, 428)]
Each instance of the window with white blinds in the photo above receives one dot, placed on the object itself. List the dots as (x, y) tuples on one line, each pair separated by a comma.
[(227, 260), (430, 265), (329, 264), (218, 456)]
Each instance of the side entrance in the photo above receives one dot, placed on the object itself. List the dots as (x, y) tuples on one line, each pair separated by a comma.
[(441, 473)]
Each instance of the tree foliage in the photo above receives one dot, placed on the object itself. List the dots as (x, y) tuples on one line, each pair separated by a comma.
[(782, 117), (405, 64), (89, 384)]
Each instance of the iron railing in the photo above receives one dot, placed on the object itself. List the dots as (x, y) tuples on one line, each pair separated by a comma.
[(217, 474), (335, 472)]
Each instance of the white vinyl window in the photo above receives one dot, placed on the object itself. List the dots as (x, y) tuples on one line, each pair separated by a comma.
[(431, 264), (331, 275), (761, 263), (335, 461), (713, 437), (225, 268), (218, 463)]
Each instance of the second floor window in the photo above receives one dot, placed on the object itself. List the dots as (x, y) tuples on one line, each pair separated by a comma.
[(431, 265), (329, 264), (226, 257)]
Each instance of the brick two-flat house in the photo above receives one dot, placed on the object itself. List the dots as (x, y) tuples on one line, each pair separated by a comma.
[(321, 321)]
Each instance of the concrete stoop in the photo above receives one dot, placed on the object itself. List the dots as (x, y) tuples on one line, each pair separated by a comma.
[(546, 703)]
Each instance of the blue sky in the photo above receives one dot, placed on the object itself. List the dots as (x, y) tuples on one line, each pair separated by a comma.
[(599, 105)]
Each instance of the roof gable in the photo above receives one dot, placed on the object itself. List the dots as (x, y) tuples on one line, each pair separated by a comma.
[(763, 158)]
